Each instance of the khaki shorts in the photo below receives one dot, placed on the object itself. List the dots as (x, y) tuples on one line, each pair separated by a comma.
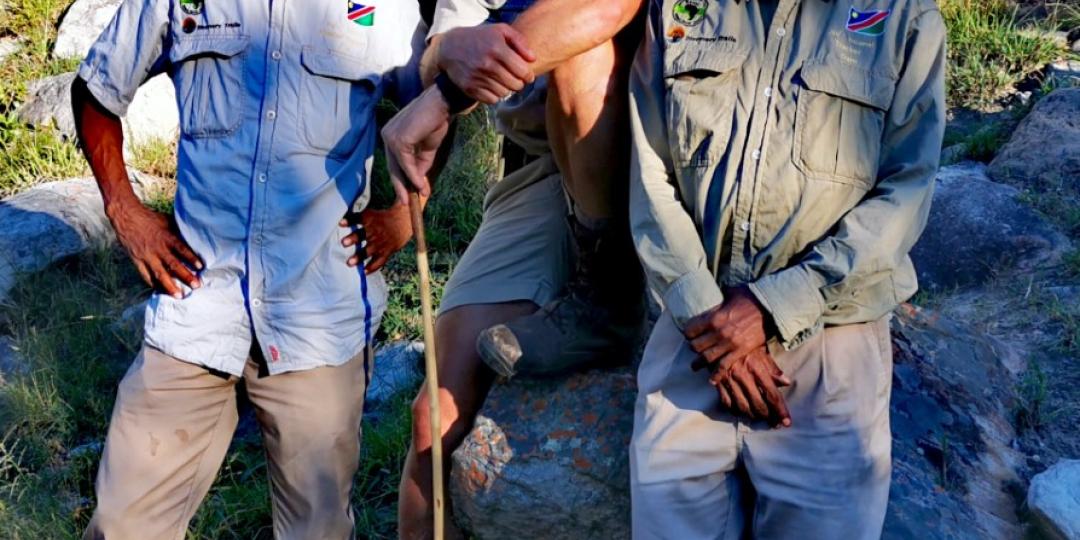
[(523, 250)]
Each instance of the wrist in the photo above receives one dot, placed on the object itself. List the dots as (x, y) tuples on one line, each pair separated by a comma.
[(117, 208), (452, 96)]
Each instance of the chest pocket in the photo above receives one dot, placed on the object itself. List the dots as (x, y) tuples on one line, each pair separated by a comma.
[(701, 85), (336, 95), (839, 123), (208, 75)]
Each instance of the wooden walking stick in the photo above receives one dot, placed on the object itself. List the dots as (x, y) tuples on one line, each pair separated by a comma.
[(417, 211)]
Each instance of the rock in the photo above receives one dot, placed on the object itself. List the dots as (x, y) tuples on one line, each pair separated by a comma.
[(52, 221), (81, 26), (152, 115), (1054, 501), (131, 320), (950, 414), (398, 368), (548, 459), (953, 154), (1044, 151), (977, 227), (1064, 73), (10, 360), (8, 46)]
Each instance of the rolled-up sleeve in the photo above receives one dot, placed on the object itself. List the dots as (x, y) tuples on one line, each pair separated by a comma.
[(664, 232), (451, 14), (130, 50), (874, 238)]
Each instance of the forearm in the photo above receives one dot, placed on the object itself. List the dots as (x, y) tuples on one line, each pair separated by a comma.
[(558, 30), (101, 137)]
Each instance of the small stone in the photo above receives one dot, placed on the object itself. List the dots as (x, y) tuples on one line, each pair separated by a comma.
[(8, 46), (1054, 500)]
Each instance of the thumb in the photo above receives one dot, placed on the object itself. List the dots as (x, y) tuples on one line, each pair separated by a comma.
[(516, 40)]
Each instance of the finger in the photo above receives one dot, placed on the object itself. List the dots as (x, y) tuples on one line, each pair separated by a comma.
[(748, 383), (714, 354), (351, 240), (164, 280), (738, 397), (483, 95), (725, 397), (516, 40), (184, 251), (376, 264), (704, 342), (181, 272), (144, 273), (519, 68), (777, 404), (698, 325)]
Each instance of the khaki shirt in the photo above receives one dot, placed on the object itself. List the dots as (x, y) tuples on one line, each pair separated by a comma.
[(798, 158)]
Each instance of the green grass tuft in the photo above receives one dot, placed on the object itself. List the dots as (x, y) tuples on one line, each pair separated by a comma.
[(989, 53)]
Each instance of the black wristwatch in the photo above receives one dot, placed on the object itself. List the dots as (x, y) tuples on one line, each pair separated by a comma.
[(455, 97)]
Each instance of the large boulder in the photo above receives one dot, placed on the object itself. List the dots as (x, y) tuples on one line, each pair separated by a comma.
[(1044, 151), (1054, 501), (978, 227), (548, 459), (52, 221), (152, 115), (950, 414), (81, 26)]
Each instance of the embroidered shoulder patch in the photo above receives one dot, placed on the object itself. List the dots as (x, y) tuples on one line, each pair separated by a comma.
[(867, 23), (689, 12), (361, 14)]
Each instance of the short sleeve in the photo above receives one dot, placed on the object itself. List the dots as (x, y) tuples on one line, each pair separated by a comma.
[(128, 52), (407, 84)]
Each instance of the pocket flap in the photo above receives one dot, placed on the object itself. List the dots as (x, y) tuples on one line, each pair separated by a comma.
[(336, 65), (690, 56), (221, 46), (869, 88)]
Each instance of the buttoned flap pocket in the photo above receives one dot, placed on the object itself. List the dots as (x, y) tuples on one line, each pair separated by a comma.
[(840, 120), (208, 74), (337, 94), (701, 81)]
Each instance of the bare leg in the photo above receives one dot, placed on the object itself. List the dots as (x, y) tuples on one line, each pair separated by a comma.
[(464, 382), (588, 127)]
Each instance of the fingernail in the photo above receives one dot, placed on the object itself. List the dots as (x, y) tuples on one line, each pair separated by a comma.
[(343, 223), (786, 422), (346, 242), (196, 284), (198, 265), (178, 296)]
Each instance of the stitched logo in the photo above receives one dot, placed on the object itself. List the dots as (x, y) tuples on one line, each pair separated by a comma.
[(690, 12), (361, 14), (191, 7), (867, 23)]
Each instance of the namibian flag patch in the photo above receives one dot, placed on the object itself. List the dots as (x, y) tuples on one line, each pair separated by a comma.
[(361, 14), (867, 23)]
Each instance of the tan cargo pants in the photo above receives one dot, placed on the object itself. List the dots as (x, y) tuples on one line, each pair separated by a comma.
[(172, 424), (698, 472)]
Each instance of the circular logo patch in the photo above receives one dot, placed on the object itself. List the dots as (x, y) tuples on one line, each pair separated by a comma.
[(690, 12), (191, 7), (189, 25)]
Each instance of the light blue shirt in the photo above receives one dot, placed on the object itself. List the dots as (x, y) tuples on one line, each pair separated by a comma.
[(277, 140)]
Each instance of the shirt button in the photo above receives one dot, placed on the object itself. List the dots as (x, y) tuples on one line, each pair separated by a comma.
[(271, 115), (258, 239), (768, 92), (756, 155), (256, 302), (276, 55), (262, 178), (745, 226), (781, 32)]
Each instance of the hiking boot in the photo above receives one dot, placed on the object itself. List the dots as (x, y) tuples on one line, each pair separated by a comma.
[(600, 320)]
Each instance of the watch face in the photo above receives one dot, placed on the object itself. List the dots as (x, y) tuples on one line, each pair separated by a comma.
[(191, 7), (689, 12)]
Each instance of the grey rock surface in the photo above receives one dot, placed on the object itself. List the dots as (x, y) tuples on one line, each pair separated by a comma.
[(152, 115), (8, 46), (1054, 501), (548, 459), (978, 227), (1065, 73), (52, 221), (398, 368), (81, 26), (1044, 151), (950, 410)]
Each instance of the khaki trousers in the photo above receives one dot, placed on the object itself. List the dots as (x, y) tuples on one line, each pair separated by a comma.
[(698, 472), (171, 427)]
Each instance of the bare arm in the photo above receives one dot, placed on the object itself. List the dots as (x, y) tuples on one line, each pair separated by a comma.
[(159, 254), (490, 61)]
